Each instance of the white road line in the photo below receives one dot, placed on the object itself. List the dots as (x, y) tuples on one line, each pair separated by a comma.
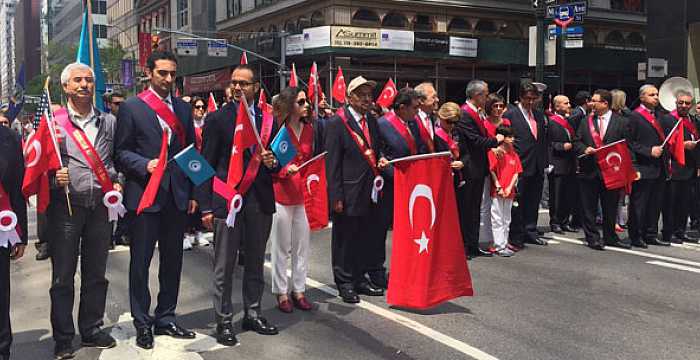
[(553, 242), (635, 252), (687, 246), (674, 266), (455, 344)]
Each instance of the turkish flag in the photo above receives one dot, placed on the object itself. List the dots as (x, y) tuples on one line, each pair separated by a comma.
[(428, 265), (243, 138), (244, 59), (211, 104), (615, 163), (386, 98), (676, 144), (262, 103), (40, 157), (312, 86), (293, 82), (315, 193), (145, 48), (339, 89)]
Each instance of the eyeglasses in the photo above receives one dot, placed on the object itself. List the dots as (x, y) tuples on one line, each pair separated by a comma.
[(302, 102), (498, 106), (681, 102), (240, 83), (199, 107)]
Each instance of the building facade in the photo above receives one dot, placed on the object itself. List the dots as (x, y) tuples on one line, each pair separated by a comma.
[(7, 43), (67, 20), (28, 46)]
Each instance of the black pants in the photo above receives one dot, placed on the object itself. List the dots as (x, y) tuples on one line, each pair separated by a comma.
[(167, 228), (350, 241), (675, 207), (469, 207), (252, 229), (523, 226), (562, 193), (645, 208), (42, 228), (592, 191), (85, 235), (383, 221), (694, 206), (5, 329)]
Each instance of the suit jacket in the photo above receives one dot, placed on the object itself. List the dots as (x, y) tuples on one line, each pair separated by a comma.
[(688, 171), (532, 152), (473, 146), (588, 165), (12, 175), (137, 141), (563, 161), (348, 174), (216, 149), (576, 117), (641, 136), (394, 146)]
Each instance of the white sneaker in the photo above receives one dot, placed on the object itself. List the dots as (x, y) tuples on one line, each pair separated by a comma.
[(187, 242), (200, 239)]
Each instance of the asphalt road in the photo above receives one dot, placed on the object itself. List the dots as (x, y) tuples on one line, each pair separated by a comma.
[(562, 301)]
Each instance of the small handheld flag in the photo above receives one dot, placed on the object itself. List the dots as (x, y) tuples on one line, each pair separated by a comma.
[(283, 147), (194, 165), (244, 58), (339, 89), (293, 82)]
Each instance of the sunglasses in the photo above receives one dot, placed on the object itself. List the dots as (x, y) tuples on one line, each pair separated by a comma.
[(199, 107), (302, 102)]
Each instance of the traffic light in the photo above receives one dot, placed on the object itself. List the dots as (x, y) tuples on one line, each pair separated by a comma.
[(155, 41)]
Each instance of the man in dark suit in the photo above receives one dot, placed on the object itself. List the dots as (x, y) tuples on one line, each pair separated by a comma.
[(253, 223), (562, 158), (645, 137), (400, 137), (677, 193), (610, 127), (474, 142), (352, 171), (138, 140), (11, 175), (583, 108), (531, 145)]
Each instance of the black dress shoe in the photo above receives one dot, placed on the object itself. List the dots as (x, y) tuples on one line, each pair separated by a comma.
[(364, 288), (538, 241), (619, 244), (63, 350), (99, 340), (557, 229), (42, 251), (225, 335), (596, 246), (676, 240), (349, 296), (657, 242), (378, 279), (259, 325), (144, 338), (174, 330), (640, 244)]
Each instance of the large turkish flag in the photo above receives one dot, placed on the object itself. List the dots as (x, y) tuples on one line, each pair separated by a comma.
[(428, 265), (40, 158), (616, 168), (315, 193)]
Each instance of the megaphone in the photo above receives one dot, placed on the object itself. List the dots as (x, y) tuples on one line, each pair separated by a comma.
[(669, 91)]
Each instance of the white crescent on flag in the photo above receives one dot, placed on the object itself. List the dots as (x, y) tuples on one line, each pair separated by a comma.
[(389, 93), (311, 178), (34, 145), (421, 190), (614, 155)]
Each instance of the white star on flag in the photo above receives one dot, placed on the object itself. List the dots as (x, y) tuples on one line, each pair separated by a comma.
[(422, 243)]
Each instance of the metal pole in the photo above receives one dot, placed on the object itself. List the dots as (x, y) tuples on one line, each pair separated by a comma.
[(330, 80), (283, 60), (562, 76), (396, 77), (539, 68)]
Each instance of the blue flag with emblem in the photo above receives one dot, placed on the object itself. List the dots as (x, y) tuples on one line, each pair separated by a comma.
[(89, 54), (194, 165), (283, 147)]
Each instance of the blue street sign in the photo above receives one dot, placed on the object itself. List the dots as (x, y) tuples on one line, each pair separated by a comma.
[(563, 12), (573, 30)]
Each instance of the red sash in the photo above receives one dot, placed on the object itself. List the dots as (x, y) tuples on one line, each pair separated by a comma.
[(687, 124), (198, 138), (563, 123), (5, 205), (425, 135), (163, 111), (303, 144), (149, 194), (477, 118), (86, 148), (366, 152), (454, 147), (594, 134), (652, 120), (402, 129), (251, 172)]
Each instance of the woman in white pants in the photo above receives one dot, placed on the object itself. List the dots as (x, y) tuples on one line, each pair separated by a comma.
[(290, 227), (494, 107)]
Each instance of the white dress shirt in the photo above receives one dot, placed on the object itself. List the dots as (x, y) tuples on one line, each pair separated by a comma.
[(604, 122), (164, 125), (426, 122), (527, 114)]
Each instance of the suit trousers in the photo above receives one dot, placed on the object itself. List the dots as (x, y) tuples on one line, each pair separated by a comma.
[(167, 228), (5, 328), (469, 212), (500, 218), (592, 191), (351, 238), (251, 231), (382, 221), (562, 194), (675, 207), (86, 235), (485, 223), (645, 208), (290, 236), (523, 227)]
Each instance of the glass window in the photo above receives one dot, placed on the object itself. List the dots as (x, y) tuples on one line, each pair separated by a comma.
[(182, 13), (99, 7)]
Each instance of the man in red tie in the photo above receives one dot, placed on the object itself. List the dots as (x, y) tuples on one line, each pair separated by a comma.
[(645, 137)]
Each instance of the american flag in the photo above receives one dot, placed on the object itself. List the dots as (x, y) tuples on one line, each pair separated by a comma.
[(41, 109)]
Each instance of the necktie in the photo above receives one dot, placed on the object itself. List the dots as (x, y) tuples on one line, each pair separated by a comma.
[(601, 127), (533, 125), (365, 131)]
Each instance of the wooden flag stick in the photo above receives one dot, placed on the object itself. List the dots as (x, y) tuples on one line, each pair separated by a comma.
[(313, 159), (52, 132), (421, 156), (603, 147)]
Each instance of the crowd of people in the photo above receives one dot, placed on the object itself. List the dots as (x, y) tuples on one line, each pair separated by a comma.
[(501, 155)]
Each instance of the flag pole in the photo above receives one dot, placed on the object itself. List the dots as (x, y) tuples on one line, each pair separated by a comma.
[(421, 156), (312, 159), (671, 133), (52, 132), (603, 147)]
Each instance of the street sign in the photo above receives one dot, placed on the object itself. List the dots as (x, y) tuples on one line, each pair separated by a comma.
[(576, 10), (186, 47), (573, 30), (217, 48), (573, 44)]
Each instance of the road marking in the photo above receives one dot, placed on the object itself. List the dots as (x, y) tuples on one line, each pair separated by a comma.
[(455, 344), (674, 266), (553, 242), (693, 247), (635, 252)]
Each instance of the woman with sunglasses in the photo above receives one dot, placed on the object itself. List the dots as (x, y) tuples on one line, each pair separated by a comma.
[(290, 227), (194, 235)]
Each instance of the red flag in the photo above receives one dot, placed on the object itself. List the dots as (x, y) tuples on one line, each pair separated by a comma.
[(151, 191), (312, 86), (177, 92), (315, 195), (339, 89), (145, 48), (676, 143), (244, 59), (211, 104), (293, 82), (386, 98), (243, 138), (428, 265), (615, 163), (262, 103), (40, 157)]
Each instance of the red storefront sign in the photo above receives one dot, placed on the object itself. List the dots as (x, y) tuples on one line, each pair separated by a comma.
[(204, 83)]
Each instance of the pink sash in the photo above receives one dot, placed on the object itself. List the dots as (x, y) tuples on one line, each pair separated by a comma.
[(565, 124), (161, 109), (366, 152), (594, 134)]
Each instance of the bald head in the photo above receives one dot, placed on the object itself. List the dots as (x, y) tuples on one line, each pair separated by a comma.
[(562, 106)]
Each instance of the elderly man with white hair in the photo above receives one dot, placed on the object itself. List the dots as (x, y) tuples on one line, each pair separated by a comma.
[(85, 231)]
